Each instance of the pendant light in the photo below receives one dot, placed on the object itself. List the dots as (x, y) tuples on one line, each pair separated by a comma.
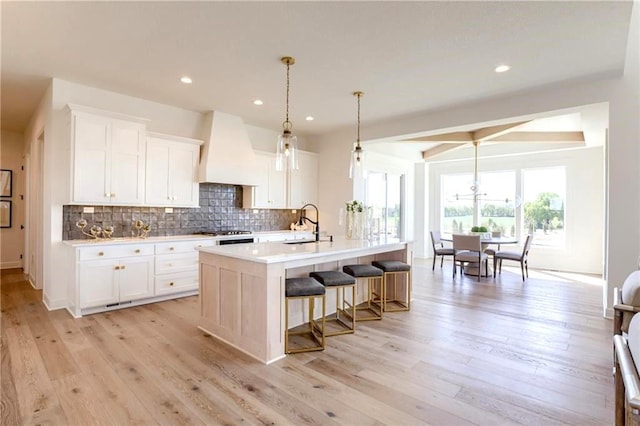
[(357, 165), (287, 150)]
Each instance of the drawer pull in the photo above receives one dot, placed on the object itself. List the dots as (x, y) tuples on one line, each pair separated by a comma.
[(170, 248), (171, 284), (137, 250), (122, 267), (117, 268), (101, 253)]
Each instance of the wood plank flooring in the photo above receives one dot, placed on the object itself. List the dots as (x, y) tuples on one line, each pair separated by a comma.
[(491, 352)]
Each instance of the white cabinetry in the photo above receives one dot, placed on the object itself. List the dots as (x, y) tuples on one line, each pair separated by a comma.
[(271, 192), (115, 274), (108, 157), (172, 171), (281, 190), (177, 266), (303, 183)]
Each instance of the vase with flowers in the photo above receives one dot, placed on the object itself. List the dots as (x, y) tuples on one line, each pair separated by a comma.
[(355, 220)]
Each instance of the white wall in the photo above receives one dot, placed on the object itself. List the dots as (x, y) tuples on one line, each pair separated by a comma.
[(12, 239), (584, 212)]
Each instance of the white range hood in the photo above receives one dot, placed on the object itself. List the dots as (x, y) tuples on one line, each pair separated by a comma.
[(227, 155)]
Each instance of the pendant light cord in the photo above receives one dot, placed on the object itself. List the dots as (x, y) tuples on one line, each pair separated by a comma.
[(286, 121)]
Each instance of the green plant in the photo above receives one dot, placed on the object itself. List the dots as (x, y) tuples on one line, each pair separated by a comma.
[(478, 229)]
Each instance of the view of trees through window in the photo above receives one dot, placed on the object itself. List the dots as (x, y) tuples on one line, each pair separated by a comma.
[(544, 197), (541, 209)]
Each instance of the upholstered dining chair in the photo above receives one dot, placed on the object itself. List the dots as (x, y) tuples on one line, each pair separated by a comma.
[(522, 257), (468, 249), (439, 249), (491, 251)]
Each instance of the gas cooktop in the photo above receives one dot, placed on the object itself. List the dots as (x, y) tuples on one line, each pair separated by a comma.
[(224, 232)]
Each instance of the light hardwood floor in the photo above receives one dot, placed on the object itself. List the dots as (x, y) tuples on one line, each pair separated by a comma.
[(494, 352)]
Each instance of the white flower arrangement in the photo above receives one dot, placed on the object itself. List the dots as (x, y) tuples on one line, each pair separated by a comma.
[(355, 206)]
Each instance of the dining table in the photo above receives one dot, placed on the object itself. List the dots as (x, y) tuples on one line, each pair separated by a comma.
[(486, 239)]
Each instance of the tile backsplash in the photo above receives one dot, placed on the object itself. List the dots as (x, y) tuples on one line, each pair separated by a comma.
[(220, 208)]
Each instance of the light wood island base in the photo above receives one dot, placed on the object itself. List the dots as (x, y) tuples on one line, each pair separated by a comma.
[(242, 287)]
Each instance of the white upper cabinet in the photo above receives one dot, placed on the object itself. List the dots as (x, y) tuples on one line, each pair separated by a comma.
[(172, 171), (270, 193), (108, 157), (303, 183)]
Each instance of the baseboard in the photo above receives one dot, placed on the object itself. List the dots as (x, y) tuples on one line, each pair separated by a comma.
[(53, 305), (11, 265)]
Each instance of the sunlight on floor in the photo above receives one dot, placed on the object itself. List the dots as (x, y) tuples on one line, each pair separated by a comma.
[(540, 274)]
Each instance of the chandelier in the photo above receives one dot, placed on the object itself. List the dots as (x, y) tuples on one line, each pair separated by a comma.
[(287, 150)]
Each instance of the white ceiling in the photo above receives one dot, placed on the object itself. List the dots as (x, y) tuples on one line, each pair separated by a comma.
[(408, 57)]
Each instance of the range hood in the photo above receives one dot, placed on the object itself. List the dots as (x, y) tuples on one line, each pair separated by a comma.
[(227, 155)]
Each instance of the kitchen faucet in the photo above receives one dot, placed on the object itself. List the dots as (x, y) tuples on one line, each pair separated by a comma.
[(316, 223)]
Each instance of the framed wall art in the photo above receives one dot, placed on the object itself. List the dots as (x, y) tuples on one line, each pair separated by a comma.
[(6, 184), (5, 214)]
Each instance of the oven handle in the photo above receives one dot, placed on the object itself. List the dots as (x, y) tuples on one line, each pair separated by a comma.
[(243, 240)]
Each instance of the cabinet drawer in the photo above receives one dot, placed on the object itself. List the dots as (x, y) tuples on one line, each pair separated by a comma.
[(182, 246), (176, 263), (110, 252), (173, 283)]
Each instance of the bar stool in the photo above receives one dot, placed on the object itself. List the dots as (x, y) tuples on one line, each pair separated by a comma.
[(373, 303), (395, 268), (339, 281), (304, 288)]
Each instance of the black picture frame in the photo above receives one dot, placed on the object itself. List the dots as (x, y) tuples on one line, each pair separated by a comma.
[(6, 183), (5, 214)]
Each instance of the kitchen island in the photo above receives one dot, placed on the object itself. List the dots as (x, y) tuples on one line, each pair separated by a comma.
[(242, 286)]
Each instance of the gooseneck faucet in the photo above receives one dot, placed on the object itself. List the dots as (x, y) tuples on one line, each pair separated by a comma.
[(316, 222)]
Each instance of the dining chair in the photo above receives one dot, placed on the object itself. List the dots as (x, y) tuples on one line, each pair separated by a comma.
[(489, 250), (522, 257), (439, 249), (468, 249)]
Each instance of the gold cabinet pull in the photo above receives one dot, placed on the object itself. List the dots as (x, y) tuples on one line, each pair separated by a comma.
[(122, 267), (170, 248), (171, 284), (137, 251), (117, 268), (101, 253)]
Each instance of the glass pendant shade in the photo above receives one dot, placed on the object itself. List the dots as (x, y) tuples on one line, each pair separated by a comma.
[(287, 152), (358, 166)]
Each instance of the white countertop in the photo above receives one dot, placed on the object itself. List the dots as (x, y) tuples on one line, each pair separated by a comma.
[(129, 240), (277, 251)]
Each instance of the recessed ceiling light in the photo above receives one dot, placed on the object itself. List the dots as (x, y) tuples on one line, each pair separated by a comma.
[(186, 80), (502, 68), (309, 118), (257, 102)]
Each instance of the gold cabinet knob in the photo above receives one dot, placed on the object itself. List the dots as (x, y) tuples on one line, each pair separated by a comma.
[(137, 251), (122, 267), (101, 253), (117, 268), (170, 248), (171, 284)]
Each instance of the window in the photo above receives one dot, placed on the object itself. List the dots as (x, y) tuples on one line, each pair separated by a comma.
[(497, 206), (384, 196), (544, 194), (457, 204), (496, 202)]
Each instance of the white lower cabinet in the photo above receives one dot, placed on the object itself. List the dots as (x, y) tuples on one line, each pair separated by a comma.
[(112, 276), (109, 281), (177, 266)]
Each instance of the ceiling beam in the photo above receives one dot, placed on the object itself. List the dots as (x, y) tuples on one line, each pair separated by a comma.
[(454, 137), (440, 149), (575, 137), (488, 133)]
